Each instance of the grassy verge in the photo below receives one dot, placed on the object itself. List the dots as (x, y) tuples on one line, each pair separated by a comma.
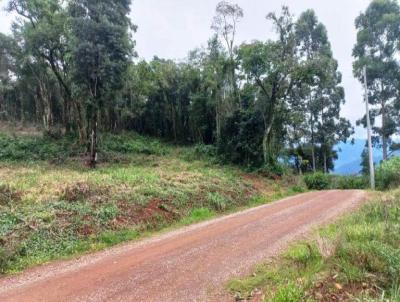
[(356, 259), (58, 208)]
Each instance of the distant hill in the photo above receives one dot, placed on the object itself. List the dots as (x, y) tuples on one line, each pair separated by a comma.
[(349, 157)]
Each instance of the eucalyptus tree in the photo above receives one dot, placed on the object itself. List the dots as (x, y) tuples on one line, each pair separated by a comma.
[(320, 90), (213, 64), (271, 66), (225, 25), (378, 49), (101, 50), (314, 49)]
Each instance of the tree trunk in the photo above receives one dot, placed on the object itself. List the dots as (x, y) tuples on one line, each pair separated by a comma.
[(267, 131), (93, 142), (80, 123), (265, 147), (313, 147), (384, 137), (67, 115), (385, 147), (218, 115), (47, 116)]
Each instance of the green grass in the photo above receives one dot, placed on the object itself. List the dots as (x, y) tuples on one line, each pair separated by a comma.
[(356, 259), (52, 209)]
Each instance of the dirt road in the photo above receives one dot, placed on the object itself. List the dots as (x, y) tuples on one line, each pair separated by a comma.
[(191, 264)]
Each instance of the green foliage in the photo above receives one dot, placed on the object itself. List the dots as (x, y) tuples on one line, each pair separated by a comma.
[(388, 174), (217, 201), (319, 97), (74, 75), (378, 36), (133, 144), (45, 148), (205, 150), (201, 152), (349, 182), (317, 181), (36, 148), (288, 293), (274, 170), (111, 238), (197, 215), (321, 181)]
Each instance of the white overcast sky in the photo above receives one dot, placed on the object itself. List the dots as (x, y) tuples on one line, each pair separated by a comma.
[(171, 28)]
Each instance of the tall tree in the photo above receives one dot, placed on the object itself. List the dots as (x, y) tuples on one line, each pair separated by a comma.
[(378, 48), (225, 24), (101, 51), (320, 89), (271, 66)]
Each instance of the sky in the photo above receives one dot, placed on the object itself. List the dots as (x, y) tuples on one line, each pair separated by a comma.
[(171, 28)]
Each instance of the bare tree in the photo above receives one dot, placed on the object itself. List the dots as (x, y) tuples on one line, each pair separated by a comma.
[(225, 23)]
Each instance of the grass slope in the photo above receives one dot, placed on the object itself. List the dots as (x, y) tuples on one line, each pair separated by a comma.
[(357, 259), (51, 206)]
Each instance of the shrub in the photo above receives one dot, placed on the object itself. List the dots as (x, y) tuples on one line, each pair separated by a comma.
[(349, 182), (388, 174), (317, 181), (273, 170), (36, 148), (207, 150), (132, 143), (201, 152)]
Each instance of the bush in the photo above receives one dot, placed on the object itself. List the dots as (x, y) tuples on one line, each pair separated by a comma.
[(349, 182), (55, 149), (388, 174), (205, 150), (201, 152), (317, 181), (273, 170), (131, 143), (35, 148)]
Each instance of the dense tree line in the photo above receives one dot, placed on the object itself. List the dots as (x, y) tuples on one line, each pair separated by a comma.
[(70, 67)]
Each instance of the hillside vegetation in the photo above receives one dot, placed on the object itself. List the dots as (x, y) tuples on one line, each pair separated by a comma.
[(51, 206)]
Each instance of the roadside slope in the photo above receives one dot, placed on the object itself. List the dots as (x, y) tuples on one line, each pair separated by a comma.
[(191, 264)]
